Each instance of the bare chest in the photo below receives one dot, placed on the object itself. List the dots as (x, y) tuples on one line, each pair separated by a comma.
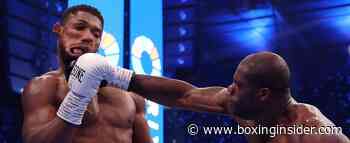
[(111, 107)]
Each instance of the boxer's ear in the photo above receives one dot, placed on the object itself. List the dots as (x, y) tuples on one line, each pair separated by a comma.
[(57, 28), (263, 94)]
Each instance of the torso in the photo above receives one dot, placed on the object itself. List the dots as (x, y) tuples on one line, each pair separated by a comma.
[(109, 118)]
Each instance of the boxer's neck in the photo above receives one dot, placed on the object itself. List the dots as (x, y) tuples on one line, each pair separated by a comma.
[(66, 69)]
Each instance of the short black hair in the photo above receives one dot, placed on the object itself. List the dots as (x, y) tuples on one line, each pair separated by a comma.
[(81, 7), (267, 70)]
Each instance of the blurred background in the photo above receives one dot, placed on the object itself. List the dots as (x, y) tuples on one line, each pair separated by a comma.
[(199, 41)]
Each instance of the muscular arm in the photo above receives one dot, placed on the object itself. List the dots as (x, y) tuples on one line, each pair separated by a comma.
[(177, 93), (140, 129), (41, 125)]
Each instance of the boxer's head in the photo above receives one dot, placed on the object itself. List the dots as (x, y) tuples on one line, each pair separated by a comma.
[(79, 32), (261, 83)]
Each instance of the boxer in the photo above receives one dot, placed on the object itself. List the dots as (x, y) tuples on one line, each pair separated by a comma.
[(77, 110), (259, 96)]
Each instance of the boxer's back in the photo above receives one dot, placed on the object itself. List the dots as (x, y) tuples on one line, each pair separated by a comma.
[(299, 115), (322, 129), (109, 118)]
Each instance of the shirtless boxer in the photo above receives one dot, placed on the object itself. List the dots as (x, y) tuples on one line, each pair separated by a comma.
[(114, 116), (259, 95)]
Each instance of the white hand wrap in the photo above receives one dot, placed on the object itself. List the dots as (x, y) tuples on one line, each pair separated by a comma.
[(84, 81)]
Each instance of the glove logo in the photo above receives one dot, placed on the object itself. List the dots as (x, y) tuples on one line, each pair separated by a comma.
[(78, 73)]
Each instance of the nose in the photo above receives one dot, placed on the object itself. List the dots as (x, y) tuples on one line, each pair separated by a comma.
[(87, 37)]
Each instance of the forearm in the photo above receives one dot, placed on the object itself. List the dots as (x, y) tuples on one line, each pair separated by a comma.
[(180, 94), (55, 131), (163, 90), (209, 99)]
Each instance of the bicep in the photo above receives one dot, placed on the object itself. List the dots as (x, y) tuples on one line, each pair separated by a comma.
[(37, 108), (33, 117)]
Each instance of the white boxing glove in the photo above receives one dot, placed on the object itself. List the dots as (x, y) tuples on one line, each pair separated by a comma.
[(84, 81)]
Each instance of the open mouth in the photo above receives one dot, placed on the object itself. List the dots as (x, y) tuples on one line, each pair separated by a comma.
[(76, 51)]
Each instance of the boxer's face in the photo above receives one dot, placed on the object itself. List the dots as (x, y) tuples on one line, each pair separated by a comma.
[(244, 102), (80, 34)]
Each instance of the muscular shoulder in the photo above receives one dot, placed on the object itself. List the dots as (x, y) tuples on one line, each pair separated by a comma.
[(311, 116), (40, 85)]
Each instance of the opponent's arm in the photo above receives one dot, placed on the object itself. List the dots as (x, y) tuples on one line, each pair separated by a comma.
[(177, 93), (170, 92)]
